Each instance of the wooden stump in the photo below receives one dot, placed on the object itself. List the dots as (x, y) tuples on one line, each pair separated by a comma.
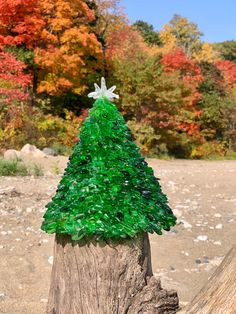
[(106, 278), (218, 296)]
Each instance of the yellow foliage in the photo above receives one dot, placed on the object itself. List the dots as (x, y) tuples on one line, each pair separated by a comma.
[(168, 39), (206, 53), (181, 33)]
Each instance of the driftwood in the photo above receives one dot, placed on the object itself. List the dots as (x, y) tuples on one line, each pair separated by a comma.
[(218, 296), (106, 278)]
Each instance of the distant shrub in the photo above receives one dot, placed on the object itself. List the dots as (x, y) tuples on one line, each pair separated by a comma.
[(61, 149), (18, 168), (12, 168), (145, 137), (207, 150), (33, 126), (36, 170)]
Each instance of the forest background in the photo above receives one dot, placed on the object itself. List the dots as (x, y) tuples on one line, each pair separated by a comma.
[(177, 92)]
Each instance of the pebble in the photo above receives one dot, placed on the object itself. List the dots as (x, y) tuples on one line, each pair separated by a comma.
[(217, 215), (29, 210), (1, 246), (171, 183), (185, 253), (191, 270), (173, 232), (44, 300), (202, 238), (185, 191), (2, 295), (177, 212), (186, 224), (217, 243), (219, 226), (205, 259), (50, 260)]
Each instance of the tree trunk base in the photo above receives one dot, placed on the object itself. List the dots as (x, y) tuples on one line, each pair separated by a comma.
[(106, 278)]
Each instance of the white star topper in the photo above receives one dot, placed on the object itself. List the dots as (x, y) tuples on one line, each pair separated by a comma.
[(103, 91)]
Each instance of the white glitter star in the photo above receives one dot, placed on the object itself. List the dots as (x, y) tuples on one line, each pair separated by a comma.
[(103, 91)]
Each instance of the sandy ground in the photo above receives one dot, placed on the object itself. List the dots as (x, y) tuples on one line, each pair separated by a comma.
[(201, 193)]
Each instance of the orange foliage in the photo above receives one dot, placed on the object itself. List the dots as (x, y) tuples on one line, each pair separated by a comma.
[(177, 61), (21, 22), (125, 42), (66, 50), (228, 69), (190, 74), (189, 71), (67, 45)]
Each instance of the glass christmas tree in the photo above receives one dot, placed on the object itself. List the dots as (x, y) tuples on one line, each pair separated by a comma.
[(108, 191)]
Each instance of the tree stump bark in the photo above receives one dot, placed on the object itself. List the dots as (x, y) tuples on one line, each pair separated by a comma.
[(218, 296), (106, 278)]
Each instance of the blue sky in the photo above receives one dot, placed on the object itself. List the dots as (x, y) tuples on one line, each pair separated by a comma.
[(215, 18)]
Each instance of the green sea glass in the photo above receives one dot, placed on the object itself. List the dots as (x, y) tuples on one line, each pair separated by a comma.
[(107, 191)]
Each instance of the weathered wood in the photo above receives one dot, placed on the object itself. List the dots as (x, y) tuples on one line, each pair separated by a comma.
[(218, 296), (106, 278)]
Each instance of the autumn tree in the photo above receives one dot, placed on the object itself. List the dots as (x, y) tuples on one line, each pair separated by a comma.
[(13, 81), (205, 52), (188, 70), (56, 40), (14, 92), (213, 79), (125, 42), (110, 18), (228, 69), (217, 121), (227, 50), (148, 32), (21, 23), (168, 39), (159, 93), (184, 33), (69, 50)]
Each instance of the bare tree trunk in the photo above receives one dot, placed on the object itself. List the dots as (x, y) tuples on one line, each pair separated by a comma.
[(106, 278), (218, 296)]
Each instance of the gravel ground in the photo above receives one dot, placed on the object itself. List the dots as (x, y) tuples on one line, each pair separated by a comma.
[(201, 193)]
